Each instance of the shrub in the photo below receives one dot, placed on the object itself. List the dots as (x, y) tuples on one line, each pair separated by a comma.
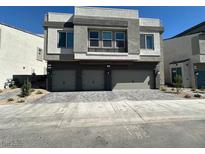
[(39, 92), (162, 88), (21, 100), (197, 95), (13, 87), (32, 90), (10, 99), (26, 89), (187, 96), (178, 84)]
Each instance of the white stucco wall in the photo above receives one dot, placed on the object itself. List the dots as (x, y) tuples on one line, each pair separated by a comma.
[(18, 54)]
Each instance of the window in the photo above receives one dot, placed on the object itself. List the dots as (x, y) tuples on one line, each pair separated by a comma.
[(39, 54), (94, 39), (107, 39), (120, 39), (65, 40), (147, 41), (69, 40)]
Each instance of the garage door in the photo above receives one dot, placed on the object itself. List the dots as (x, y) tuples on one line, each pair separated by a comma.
[(63, 80), (93, 79), (132, 79)]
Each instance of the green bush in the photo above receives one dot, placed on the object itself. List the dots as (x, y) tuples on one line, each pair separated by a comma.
[(26, 89), (178, 84), (13, 87)]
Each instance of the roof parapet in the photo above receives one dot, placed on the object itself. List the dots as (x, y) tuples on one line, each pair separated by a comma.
[(106, 12)]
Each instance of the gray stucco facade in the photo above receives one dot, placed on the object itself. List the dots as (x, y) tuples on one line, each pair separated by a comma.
[(185, 51), (143, 65)]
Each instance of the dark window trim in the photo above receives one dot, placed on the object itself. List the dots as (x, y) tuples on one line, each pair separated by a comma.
[(64, 31)]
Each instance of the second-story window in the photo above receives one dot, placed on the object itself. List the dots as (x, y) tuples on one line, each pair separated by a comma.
[(107, 39), (94, 39), (147, 41), (65, 40), (120, 39)]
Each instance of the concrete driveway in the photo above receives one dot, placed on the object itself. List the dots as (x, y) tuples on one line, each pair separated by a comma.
[(73, 121)]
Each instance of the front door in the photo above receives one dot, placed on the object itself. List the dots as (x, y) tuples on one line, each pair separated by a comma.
[(176, 71), (201, 79)]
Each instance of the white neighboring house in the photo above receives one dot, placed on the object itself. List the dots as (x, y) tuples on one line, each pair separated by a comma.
[(21, 53)]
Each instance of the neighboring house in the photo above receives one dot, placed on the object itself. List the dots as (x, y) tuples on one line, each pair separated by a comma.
[(21, 53), (184, 54), (102, 49)]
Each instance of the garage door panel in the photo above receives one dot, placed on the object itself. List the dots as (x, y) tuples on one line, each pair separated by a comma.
[(132, 79), (63, 80), (93, 79)]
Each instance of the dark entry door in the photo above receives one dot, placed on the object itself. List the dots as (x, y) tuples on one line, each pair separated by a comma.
[(176, 71), (201, 79)]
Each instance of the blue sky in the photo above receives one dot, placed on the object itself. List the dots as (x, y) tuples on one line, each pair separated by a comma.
[(175, 19)]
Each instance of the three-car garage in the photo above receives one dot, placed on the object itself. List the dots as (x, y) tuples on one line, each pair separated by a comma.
[(81, 77)]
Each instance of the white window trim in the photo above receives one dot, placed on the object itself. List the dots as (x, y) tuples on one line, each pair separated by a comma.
[(61, 31), (119, 40), (146, 34), (98, 39), (107, 39)]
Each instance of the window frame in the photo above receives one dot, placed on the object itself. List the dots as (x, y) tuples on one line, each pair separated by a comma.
[(119, 40), (107, 39), (39, 54), (94, 39), (66, 39), (145, 39)]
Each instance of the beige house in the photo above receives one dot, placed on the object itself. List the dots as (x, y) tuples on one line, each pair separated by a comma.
[(21, 53)]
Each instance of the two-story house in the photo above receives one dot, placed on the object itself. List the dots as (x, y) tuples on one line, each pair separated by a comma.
[(103, 49), (184, 55)]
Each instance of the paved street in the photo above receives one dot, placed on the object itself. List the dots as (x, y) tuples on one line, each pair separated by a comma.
[(57, 121)]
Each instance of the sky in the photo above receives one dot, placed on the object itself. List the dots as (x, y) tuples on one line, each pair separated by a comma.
[(174, 19)]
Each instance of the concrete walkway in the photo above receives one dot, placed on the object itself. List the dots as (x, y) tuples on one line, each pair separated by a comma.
[(159, 123)]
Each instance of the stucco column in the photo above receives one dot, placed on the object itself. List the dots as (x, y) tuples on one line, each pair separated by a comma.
[(161, 69)]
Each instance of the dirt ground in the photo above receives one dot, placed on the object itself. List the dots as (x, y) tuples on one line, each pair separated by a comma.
[(16, 99)]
